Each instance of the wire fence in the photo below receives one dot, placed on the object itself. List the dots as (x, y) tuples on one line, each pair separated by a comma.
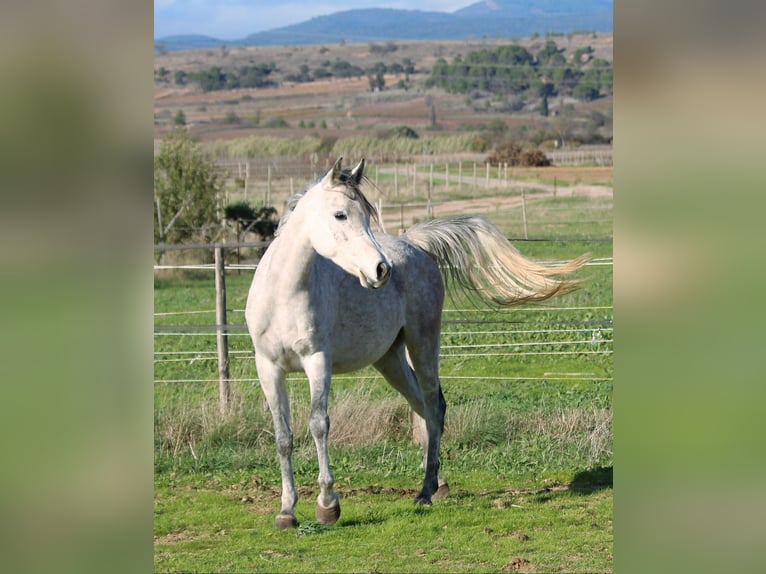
[(192, 338), (502, 334), (410, 190), (594, 337)]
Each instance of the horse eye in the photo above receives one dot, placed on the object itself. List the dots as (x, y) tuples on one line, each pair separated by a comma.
[(340, 216)]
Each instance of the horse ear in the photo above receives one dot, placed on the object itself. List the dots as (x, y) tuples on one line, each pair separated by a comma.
[(358, 172), (333, 176)]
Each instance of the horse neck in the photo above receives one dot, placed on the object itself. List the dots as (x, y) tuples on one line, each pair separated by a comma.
[(293, 256)]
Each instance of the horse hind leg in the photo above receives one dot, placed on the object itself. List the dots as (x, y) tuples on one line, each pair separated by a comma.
[(422, 341), (396, 369), (419, 424)]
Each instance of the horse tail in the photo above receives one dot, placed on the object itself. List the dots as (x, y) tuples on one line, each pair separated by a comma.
[(473, 255)]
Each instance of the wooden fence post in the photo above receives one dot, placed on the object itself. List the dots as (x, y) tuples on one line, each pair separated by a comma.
[(524, 212), (431, 180), (247, 176), (221, 335)]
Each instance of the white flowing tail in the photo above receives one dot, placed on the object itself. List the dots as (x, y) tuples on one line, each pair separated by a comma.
[(474, 255)]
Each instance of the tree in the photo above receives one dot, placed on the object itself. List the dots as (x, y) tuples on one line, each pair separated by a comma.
[(262, 221), (180, 118), (585, 92), (161, 74), (550, 55), (409, 68), (598, 77), (375, 76), (506, 69), (186, 191)]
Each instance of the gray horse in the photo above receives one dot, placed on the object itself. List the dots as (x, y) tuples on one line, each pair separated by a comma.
[(331, 296)]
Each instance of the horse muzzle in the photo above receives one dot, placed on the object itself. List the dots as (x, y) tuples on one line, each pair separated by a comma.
[(382, 275)]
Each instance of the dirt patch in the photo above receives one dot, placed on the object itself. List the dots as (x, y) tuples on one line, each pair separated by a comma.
[(173, 537), (518, 564)]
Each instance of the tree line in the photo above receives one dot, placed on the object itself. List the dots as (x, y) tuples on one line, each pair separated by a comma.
[(261, 75), (216, 78), (506, 70), (513, 69)]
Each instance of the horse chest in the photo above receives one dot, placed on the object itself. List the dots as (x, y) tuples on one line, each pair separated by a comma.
[(285, 333)]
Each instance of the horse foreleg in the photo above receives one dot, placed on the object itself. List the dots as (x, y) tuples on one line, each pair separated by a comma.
[(318, 370), (272, 380)]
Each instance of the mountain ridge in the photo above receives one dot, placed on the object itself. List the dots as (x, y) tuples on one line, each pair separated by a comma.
[(491, 18)]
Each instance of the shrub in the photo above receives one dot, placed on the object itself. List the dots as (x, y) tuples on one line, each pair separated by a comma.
[(231, 118), (180, 118), (513, 154), (403, 132), (534, 158), (508, 153), (277, 122), (261, 221)]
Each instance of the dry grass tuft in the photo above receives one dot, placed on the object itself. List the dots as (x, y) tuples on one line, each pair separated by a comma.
[(356, 418)]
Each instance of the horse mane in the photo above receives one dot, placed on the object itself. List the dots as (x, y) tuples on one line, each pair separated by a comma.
[(350, 190)]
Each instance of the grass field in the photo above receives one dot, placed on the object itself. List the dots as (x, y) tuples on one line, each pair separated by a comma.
[(527, 448)]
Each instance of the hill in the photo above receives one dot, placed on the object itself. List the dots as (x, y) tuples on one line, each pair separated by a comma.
[(337, 106), (490, 18)]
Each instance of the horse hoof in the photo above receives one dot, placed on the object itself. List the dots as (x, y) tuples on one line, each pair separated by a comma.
[(423, 499), (328, 515), (443, 489), (283, 521)]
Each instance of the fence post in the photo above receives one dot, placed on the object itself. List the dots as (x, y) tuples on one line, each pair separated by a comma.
[(524, 212), (247, 176), (431, 180), (221, 335)]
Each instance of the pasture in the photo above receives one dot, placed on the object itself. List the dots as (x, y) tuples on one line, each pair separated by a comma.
[(527, 447)]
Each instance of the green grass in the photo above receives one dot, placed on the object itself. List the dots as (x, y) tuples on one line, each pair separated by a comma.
[(208, 523), (527, 447)]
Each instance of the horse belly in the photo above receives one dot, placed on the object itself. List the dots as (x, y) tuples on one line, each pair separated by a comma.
[(360, 339)]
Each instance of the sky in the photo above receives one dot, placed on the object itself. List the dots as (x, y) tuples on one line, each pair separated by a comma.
[(235, 19)]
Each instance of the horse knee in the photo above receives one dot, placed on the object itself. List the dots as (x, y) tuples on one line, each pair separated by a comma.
[(319, 424), (285, 444)]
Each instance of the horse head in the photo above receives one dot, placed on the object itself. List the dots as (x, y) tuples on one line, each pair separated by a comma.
[(339, 225)]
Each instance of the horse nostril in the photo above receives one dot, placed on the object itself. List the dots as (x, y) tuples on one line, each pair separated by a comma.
[(383, 270)]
